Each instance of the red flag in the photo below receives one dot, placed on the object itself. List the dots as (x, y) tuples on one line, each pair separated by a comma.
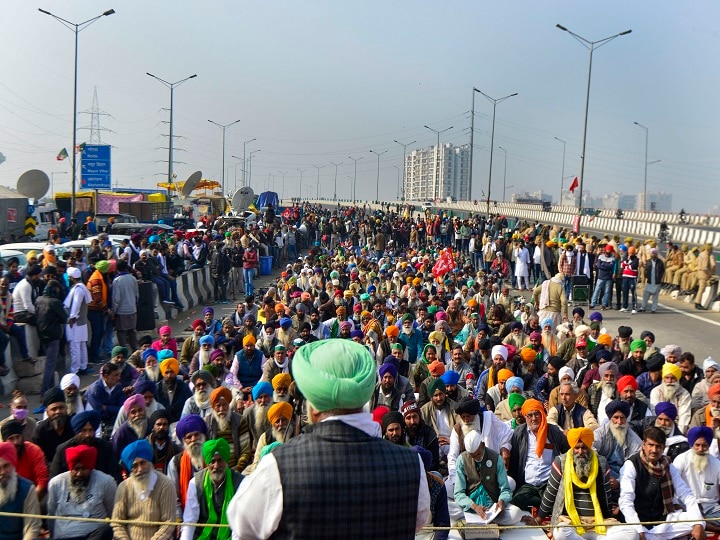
[(574, 185)]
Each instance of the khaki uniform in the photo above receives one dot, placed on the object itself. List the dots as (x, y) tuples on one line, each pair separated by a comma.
[(705, 270), (689, 280)]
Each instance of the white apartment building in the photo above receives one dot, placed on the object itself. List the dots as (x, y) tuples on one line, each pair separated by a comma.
[(429, 175)]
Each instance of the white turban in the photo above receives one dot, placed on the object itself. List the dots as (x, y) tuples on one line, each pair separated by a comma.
[(68, 380), (472, 441), (501, 350), (566, 371), (710, 363)]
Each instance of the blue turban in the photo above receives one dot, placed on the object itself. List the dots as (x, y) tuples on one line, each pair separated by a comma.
[(617, 405), (143, 385), (699, 432), (603, 355), (390, 359), (425, 455), (78, 421), (164, 355), (285, 322), (207, 340), (388, 368), (450, 378), (190, 424), (147, 353), (515, 381), (138, 449), (262, 388), (515, 325), (546, 321), (668, 409), (357, 334)]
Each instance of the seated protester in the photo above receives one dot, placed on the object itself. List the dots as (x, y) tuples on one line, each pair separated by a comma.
[(212, 325), (227, 339), (639, 408), (201, 358), (615, 441), (401, 382), (481, 481), (54, 430), (567, 374), (635, 364), (439, 413), (386, 392), (191, 431), (648, 485), (279, 363), (700, 391), (31, 460), (422, 371), (514, 385), (454, 391), (676, 443), (393, 428), (19, 412), (282, 429), (81, 492), (145, 388), (515, 403), (535, 445), (191, 345), (136, 359), (701, 472), (256, 414), (603, 392), (671, 391), (709, 415), (420, 434), (578, 491), (569, 414), (166, 341), (651, 378), (18, 496), (691, 374), (172, 392), (223, 423), (498, 392), (549, 380), (281, 388), (590, 374), (499, 355), (209, 492), (439, 511), (437, 370), (459, 365), (203, 383), (164, 448), (247, 365), (75, 401), (106, 394), (268, 339), (128, 374), (135, 427)]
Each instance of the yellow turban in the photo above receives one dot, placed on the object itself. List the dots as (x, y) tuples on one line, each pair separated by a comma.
[(504, 374), (170, 363), (249, 340), (671, 369), (281, 379), (283, 408), (437, 336), (580, 434)]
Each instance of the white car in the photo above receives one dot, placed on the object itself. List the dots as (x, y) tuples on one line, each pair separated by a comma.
[(7, 254)]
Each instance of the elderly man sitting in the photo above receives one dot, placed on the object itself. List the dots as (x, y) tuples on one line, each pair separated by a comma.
[(578, 492), (671, 391), (615, 440)]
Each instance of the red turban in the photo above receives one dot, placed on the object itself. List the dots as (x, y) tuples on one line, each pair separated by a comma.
[(8, 453), (713, 391), (87, 455), (625, 381), (534, 405)]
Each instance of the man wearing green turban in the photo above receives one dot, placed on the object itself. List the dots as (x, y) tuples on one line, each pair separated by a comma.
[(515, 401), (301, 487), (210, 492)]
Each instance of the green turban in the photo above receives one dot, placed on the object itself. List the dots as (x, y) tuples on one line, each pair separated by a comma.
[(515, 399), (269, 448), (334, 374), (407, 317), (436, 384), (216, 446), (103, 266), (636, 344), (432, 310)]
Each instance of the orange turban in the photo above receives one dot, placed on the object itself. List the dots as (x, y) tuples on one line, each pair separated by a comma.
[(249, 340), (472, 303), (169, 363), (341, 310), (714, 390), (436, 368), (392, 331), (580, 434), (528, 354), (282, 408), (220, 392), (534, 405), (605, 339), (504, 374), (279, 308)]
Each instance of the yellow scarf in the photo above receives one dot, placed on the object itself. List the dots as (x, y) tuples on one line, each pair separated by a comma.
[(570, 479)]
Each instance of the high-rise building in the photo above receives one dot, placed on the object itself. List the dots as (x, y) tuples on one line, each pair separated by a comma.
[(430, 175), (657, 202)]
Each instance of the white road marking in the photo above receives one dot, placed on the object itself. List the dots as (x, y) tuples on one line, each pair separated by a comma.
[(691, 315)]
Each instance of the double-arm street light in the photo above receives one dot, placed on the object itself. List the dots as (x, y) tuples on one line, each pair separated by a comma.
[(249, 180), (318, 167), (335, 189), (244, 160), (492, 138), (76, 28), (377, 182), (223, 127), (562, 174), (645, 194), (355, 178), (401, 193), (591, 46), (436, 187)]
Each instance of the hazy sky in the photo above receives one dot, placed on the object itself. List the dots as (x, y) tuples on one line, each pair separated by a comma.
[(320, 81)]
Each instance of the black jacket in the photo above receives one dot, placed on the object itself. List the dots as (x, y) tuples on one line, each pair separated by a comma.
[(51, 316)]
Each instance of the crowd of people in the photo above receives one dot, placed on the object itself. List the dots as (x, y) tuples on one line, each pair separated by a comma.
[(388, 381)]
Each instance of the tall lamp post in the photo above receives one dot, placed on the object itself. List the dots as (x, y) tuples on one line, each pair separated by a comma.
[(223, 127), (436, 187), (645, 197), (401, 193), (283, 184), (398, 182), (472, 145), (591, 46), (504, 170), (318, 167), (355, 178), (377, 181), (244, 160), (352, 187), (77, 28), (492, 139), (562, 174), (301, 171), (249, 183), (335, 189)]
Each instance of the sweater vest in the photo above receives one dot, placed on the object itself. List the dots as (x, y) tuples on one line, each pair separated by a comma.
[(12, 527), (482, 473), (339, 482), (577, 415), (203, 516), (648, 497)]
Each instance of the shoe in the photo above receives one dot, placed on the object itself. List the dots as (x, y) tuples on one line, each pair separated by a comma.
[(225, 302), (39, 410), (179, 307), (633, 312), (591, 307), (653, 311), (83, 372), (623, 310), (641, 310), (168, 302)]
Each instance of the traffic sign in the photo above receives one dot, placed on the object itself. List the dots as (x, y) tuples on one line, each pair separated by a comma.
[(95, 171)]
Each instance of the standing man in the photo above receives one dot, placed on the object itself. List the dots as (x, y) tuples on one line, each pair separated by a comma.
[(125, 298), (76, 330), (17, 496), (551, 300), (51, 320), (654, 270), (337, 378)]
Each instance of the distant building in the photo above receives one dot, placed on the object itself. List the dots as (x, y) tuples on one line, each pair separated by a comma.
[(430, 175), (534, 197), (657, 202)]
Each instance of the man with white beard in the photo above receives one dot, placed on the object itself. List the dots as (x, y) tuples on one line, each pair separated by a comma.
[(256, 414), (208, 505), (203, 383), (146, 388), (279, 363), (281, 429), (145, 496), (191, 431), (223, 423), (75, 402), (82, 491), (701, 473), (603, 392), (268, 339), (17, 495), (281, 387), (135, 427), (615, 440), (192, 344), (151, 371), (202, 357), (671, 391)]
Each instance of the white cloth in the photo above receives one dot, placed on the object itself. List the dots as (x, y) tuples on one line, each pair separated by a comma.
[(537, 470), (73, 303), (22, 297), (257, 507), (704, 485)]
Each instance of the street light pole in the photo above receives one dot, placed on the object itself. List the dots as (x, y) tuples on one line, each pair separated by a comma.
[(504, 171), (492, 139), (436, 187), (301, 171), (318, 167), (377, 182), (591, 46), (472, 145), (335, 190), (283, 184), (76, 28), (401, 193), (645, 195), (398, 181), (355, 180), (244, 160), (352, 189), (223, 127), (562, 174), (250, 167)]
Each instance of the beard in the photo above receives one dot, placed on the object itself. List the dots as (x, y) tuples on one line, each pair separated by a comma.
[(217, 477), (667, 430), (222, 419), (141, 480), (279, 434), (59, 422), (624, 349), (203, 358), (554, 381), (267, 340), (669, 391), (78, 488), (314, 324), (260, 414), (407, 330), (474, 425), (139, 426), (202, 398), (582, 464), (608, 389), (160, 435), (619, 433), (699, 461), (153, 373), (71, 404), (8, 492), (195, 451), (412, 430), (277, 398)]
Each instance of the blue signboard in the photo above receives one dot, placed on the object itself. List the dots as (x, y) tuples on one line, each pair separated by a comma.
[(95, 172)]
